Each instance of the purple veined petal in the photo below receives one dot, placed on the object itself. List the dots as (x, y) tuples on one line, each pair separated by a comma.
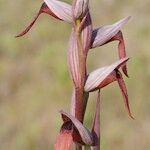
[(96, 125), (96, 77), (84, 133), (123, 89), (61, 9), (103, 34), (80, 8)]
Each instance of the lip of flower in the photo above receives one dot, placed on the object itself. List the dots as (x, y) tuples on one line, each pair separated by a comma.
[(72, 130)]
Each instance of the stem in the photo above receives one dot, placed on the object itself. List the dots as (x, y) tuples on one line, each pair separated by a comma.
[(80, 100), (81, 97)]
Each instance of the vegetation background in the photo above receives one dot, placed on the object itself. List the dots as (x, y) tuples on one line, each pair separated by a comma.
[(35, 85)]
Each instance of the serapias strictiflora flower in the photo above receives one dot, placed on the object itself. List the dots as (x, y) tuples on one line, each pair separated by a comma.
[(71, 131), (57, 9), (106, 75)]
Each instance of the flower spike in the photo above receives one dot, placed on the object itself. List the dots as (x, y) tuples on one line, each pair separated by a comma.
[(82, 39), (64, 140)]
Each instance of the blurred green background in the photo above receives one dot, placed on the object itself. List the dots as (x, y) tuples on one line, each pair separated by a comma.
[(35, 85)]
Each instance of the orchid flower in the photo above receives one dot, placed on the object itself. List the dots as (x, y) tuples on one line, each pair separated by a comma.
[(83, 38), (75, 132), (106, 75)]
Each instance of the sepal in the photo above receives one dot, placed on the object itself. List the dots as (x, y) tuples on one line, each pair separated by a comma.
[(103, 34), (96, 78)]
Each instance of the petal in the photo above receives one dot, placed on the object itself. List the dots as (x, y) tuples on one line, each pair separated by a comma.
[(61, 9), (124, 92), (96, 77), (103, 34), (83, 133), (96, 125), (64, 140), (43, 9)]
